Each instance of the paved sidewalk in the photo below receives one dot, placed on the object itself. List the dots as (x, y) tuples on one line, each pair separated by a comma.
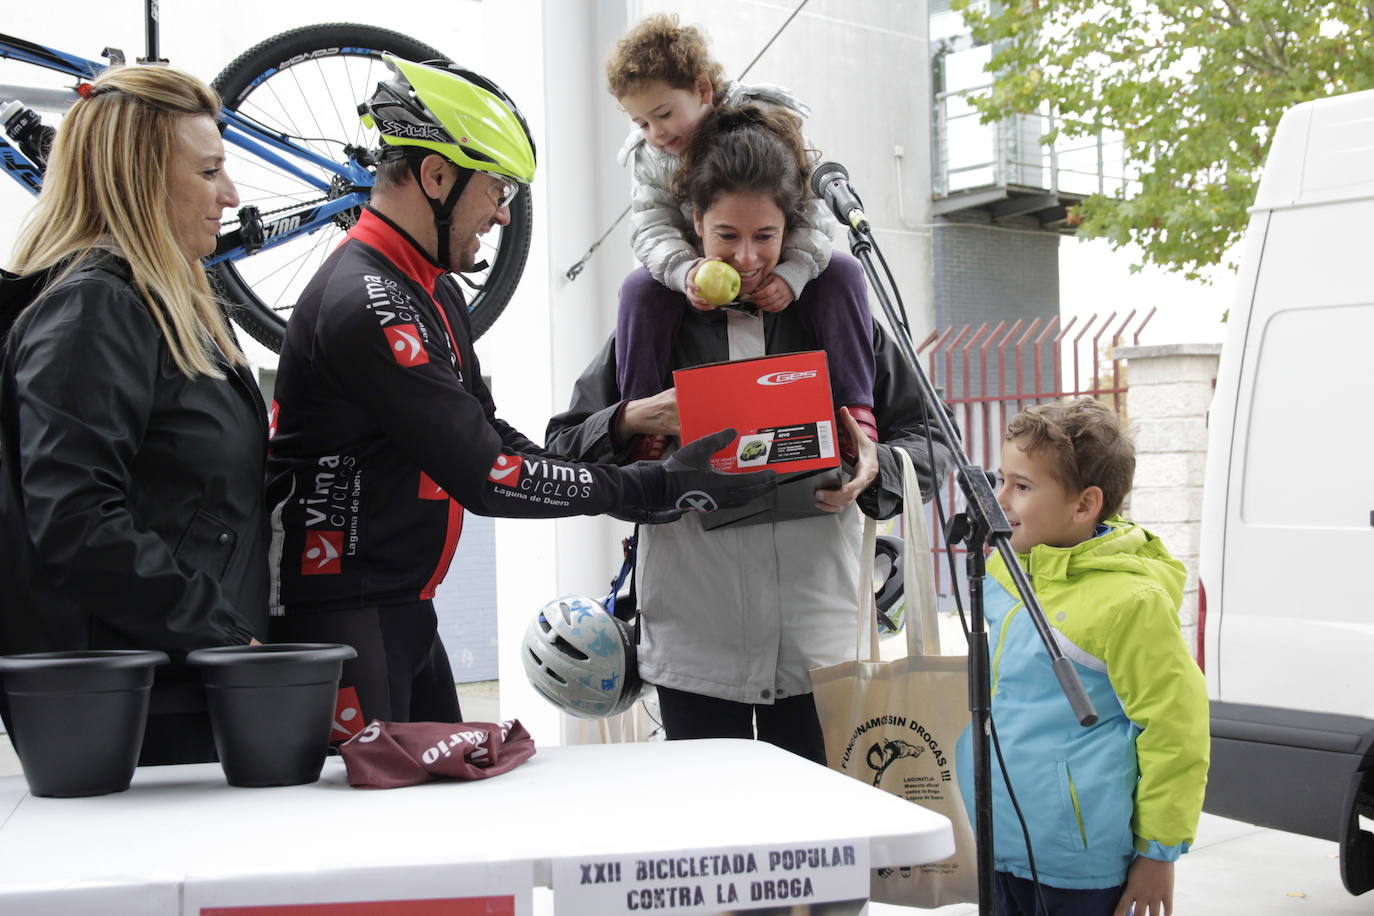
[(1237, 868)]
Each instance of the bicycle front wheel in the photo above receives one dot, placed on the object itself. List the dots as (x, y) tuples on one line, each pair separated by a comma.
[(305, 85)]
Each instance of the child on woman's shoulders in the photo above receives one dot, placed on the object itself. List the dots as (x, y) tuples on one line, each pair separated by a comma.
[(665, 79)]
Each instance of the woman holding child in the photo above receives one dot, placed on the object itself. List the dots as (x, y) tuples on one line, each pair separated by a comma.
[(663, 76), (735, 618)]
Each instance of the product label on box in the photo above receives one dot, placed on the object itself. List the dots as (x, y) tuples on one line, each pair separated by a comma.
[(780, 445)]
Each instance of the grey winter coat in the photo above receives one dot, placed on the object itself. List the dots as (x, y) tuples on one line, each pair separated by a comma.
[(744, 613)]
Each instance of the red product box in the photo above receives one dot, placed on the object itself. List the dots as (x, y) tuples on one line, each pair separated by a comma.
[(779, 407)]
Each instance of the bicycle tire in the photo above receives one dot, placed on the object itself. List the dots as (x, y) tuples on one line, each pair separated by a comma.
[(264, 83)]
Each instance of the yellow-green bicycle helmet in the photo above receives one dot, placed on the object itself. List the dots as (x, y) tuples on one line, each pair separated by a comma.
[(456, 113), (441, 108)]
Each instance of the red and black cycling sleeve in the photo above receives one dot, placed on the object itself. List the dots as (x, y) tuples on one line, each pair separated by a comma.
[(441, 416)]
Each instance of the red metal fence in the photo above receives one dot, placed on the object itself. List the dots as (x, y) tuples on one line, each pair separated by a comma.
[(987, 374)]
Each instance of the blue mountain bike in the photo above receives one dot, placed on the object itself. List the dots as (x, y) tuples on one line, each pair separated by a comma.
[(301, 158)]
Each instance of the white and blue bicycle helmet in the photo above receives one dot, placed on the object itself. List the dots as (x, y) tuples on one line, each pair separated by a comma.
[(582, 658)]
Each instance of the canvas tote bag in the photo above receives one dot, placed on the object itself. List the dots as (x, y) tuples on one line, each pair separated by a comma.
[(894, 724)]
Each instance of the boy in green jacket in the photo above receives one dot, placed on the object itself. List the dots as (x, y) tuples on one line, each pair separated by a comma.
[(1111, 807)]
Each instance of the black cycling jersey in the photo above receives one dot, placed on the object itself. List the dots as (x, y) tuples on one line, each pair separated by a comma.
[(383, 431)]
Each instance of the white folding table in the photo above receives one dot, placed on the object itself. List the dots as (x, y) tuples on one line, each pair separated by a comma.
[(181, 824)]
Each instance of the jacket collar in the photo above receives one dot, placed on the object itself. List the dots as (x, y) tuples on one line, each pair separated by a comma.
[(376, 231), (1125, 548), (633, 141), (108, 259)]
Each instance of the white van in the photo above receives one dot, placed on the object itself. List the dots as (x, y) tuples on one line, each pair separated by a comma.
[(1286, 616)]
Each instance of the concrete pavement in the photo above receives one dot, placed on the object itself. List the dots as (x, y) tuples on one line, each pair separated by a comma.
[(1237, 868)]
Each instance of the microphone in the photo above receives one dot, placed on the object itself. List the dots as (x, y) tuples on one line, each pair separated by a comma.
[(830, 182)]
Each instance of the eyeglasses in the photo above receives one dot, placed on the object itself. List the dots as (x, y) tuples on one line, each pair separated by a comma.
[(507, 189)]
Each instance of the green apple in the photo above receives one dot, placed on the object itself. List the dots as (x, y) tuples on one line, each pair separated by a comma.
[(718, 282)]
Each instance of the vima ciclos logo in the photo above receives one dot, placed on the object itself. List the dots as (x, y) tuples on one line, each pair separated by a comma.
[(506, 470), (786, 378), (540, 478), (322, 553), (406, 345)]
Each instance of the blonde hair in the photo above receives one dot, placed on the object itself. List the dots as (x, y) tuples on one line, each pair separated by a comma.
[(107, 180), (659, 48)]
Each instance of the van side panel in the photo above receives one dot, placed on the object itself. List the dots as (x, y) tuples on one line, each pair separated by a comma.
[(1288, 504), (1296, 627)]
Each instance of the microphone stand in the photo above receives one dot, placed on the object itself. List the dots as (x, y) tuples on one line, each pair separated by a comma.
[(981, 523)]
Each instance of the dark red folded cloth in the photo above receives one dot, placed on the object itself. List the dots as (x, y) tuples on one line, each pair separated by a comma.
[(388, 755)]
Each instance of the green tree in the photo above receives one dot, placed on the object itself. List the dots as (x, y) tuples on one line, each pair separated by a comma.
[(1196, 89)]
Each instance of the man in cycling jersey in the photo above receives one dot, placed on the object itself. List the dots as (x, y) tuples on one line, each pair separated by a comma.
[(382, 430)]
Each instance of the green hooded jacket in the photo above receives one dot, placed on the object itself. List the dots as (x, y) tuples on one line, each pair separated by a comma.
[(1133, 782)]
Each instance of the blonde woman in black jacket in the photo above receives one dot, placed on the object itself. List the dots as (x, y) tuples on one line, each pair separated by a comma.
[(134, 437)]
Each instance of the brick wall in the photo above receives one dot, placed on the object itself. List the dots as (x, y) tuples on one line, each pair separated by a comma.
[(1004, 272), (987, 273)]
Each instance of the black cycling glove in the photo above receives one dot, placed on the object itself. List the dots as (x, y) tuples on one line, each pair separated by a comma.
[(687, 482)]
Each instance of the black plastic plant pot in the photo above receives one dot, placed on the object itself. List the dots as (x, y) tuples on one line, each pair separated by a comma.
[(78, 717), (271, 708)]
